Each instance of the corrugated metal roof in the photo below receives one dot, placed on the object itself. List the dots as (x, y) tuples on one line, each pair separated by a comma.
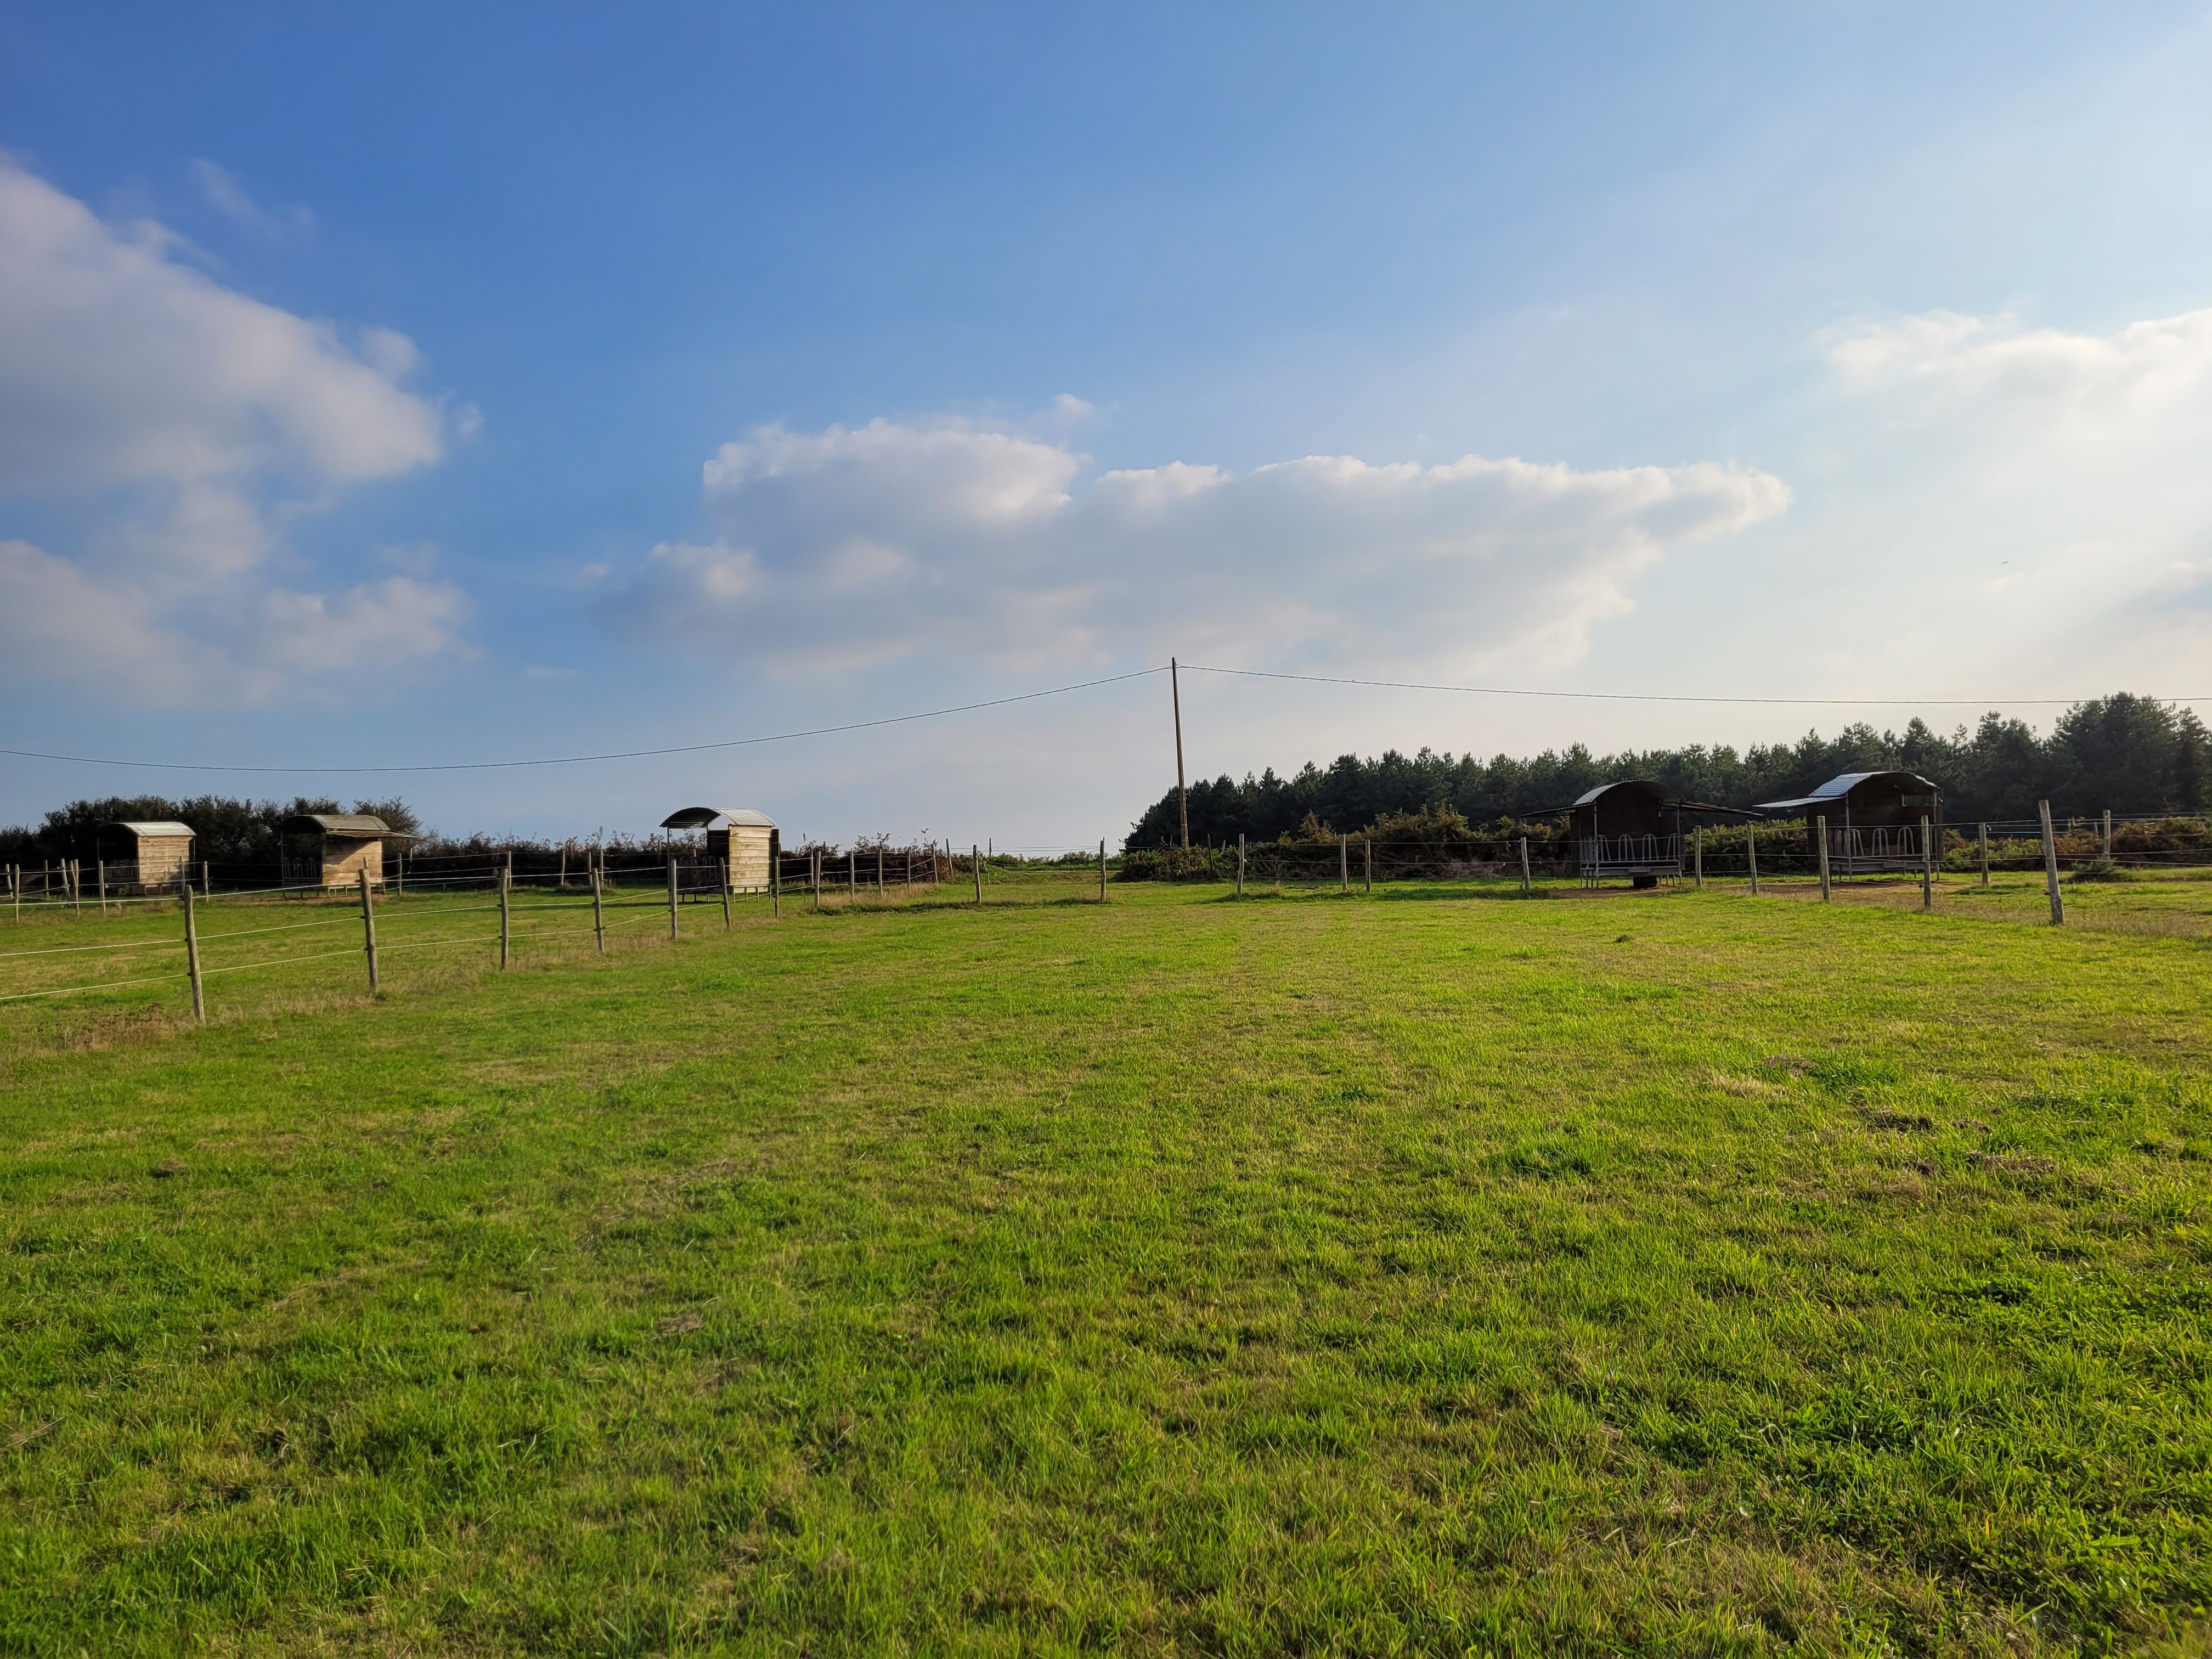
[(1659, 789), (158, 827), (1839, 785), (694, 817), (340, 823)]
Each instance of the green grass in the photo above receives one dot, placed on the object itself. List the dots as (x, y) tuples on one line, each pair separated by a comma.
[(1435, 1273)]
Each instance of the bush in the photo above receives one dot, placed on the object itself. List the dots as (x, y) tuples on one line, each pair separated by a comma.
[(1173, 864)]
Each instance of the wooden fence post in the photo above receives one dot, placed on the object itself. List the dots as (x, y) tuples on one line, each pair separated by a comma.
[(368, 929), (1525, 866), (1370, 877), (725, 863), (672, 894), (975, 858), (207, 879), (776, 881), (1821, 830), (1240, 864), (1101, 869), (564, 866), (1344, 864), (1751, 855), (399, 873), (879, 872), (1927, 866), (2050, 866), (1983, 836), (192, 958), (599, 912), (99, 875), (853, 873), (1698, 840), (504, 931), (814, 871), (2108, 832), (76, 885)]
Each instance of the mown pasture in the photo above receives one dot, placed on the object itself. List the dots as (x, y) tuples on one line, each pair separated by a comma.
[(1437, 1272)]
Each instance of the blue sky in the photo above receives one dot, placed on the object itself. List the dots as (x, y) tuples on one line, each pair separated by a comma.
[(456, 383)]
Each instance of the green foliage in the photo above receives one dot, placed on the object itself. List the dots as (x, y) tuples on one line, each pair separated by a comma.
[(2130, 754), (1419, 1276), (1177, 863)]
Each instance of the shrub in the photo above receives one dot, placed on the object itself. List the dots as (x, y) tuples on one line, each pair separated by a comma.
[(1173, 864)]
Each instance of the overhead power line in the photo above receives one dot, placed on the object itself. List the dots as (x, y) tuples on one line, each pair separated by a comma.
[(1659, 697), (581, 760), (1057, 692)]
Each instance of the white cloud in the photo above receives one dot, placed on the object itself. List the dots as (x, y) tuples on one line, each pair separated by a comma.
[(186, 424), (2036, 487), (228, 196), (853, 546)]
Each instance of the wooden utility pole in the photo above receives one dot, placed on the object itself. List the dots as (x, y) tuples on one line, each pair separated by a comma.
[(1183, 800)]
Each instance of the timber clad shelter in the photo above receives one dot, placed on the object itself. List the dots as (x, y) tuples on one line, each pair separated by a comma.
[(330, 849), (1631, 827), (746, 838), (1873, 819), (161, 855)]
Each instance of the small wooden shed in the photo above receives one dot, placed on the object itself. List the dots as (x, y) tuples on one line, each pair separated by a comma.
[(1873, 819), (330, 849), (1631, 827), (160, 852), (746, 838)]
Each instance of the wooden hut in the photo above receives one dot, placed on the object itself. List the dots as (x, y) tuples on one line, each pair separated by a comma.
[(330, 849), (1633, 826), (158, 853), (746, 838), (1873, 819)]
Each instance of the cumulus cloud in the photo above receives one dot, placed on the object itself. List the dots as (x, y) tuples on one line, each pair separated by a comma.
[(854, 546), (184, 424)]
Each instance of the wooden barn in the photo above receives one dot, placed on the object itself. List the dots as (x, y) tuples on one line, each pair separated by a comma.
[(330, 849), (1633, 826), (747, 839), (157, 854), (1873, 819)]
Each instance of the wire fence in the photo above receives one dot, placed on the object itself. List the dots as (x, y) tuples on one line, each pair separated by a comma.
[(190, 934)]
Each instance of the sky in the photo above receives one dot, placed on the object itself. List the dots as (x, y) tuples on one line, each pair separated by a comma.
[(418, 387)]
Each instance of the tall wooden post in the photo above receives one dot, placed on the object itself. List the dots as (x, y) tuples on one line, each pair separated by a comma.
[(775, 879), (1820, 834), (1240, 864), (599, 911), (975, 858), (1927, 866), (2050, 866), (879, 872), (192, 959), (207, 879), (399, 872), (368, 929), (1525, 866), (1699, 840), (1183, 800), (814, 870), (671, 894), (1368, 880), (1983, 836), (2108, 832), (100, 874), (564, 866), (506, 934), (1101, 869), (726, 894), (1344, 864), (1751, 855)]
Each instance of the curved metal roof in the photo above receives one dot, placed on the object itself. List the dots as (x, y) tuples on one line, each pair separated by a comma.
[(1841, 785), (154, 827), (695, 817), (344, 823), (1621, 783)]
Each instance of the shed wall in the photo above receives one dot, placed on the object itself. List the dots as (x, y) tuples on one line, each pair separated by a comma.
[(160, 858), (344, 859)]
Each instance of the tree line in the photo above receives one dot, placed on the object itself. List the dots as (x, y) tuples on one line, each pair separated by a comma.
[(228, 831), (2130, 754)]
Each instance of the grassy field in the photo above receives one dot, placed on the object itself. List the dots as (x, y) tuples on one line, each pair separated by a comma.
[(1433, 1272)]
